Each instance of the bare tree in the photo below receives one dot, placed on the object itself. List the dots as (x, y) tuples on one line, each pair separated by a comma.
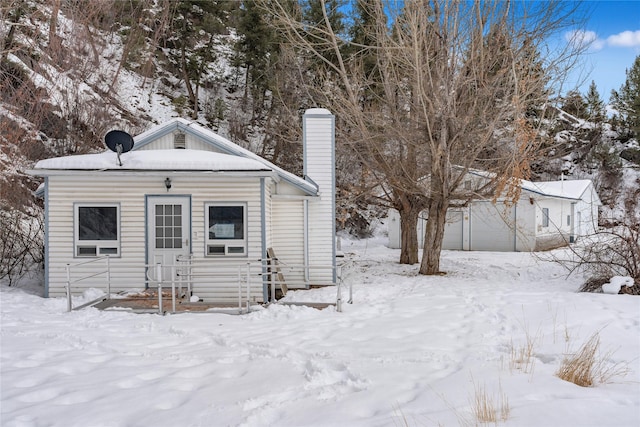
[(613, 250), (21, 242), (455, 87)]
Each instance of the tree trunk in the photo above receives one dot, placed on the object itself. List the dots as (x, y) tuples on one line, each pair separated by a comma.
[(438, 203), (54, 40), (409, 214), (193, 101), (433, 236)]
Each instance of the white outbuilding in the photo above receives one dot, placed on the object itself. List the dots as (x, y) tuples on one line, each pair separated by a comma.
[(185, 193), (546, 215)]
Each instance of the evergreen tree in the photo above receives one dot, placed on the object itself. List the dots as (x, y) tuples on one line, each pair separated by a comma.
[(190, 40), (362, 50), (314, 17), (594, 104), (626, 101), (257, 49)]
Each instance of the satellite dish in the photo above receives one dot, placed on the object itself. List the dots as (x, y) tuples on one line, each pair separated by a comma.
[(119, 142)]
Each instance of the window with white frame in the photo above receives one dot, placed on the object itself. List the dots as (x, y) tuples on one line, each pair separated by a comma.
[(226, 232), (96, 229), (545, 217)]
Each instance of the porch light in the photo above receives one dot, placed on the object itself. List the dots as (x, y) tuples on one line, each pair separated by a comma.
[(167, 183)]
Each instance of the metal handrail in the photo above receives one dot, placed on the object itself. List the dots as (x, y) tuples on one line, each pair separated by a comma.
[(187, 262), (107, 271), (182, 271)]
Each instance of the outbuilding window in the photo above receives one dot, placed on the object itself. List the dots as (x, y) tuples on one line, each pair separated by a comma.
[(226, 229), (545, 217), (97, 229)]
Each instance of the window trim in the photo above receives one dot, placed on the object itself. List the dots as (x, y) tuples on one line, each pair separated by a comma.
[(545, 217), (98, 245), (227, 246)]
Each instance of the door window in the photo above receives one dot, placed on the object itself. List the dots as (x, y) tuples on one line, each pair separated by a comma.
[(168, 226)]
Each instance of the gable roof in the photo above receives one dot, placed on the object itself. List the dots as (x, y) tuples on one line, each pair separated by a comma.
[(221, 143), (565, 189), (154, 160), (228, 157)]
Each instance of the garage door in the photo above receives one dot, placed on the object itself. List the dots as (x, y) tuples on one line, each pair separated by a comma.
[(492, 227), (453, 231)]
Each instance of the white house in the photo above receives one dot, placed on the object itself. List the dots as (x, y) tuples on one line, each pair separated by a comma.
[(546, 215), (186, 191)]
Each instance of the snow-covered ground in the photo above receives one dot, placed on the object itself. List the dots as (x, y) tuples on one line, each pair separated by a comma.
[(410, 350)]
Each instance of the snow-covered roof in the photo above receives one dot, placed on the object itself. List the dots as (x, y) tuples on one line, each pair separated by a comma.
[(222, 144), (149, 160), (232, 158), (567, 189)]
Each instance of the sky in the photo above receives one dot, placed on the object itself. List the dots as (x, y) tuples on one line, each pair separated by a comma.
[(613, 30)]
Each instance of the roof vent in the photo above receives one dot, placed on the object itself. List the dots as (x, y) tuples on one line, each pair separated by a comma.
[(179, 140)]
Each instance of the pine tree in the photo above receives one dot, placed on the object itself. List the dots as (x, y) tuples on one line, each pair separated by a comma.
[(626, 101), (594, 104), (190, 39), (257, 49), (314, 17), (363, 46)]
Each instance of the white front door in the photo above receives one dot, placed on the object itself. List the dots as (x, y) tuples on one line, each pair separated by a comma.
[(168, 230)]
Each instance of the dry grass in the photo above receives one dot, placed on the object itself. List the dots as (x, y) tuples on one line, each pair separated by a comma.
[(587, 367), (521, 357), (487, 408)]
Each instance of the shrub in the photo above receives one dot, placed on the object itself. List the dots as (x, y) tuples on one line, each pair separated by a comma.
[(21, 243)]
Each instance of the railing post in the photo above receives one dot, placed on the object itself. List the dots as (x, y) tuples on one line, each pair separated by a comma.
[(159, 279), (239, 292), (178, 263), (339, 298), (173, 289), (273, 287), (248, 285), (108, 277), (68, 287), (189, 272)]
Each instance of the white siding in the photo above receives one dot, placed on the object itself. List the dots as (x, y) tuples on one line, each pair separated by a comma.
[(288, 237), (453, 231), (320, 167), (525, 224), (588, 209), (129, 191), (245, 191), (492, 227), (557, 233), (166, 143), (487, 231)]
